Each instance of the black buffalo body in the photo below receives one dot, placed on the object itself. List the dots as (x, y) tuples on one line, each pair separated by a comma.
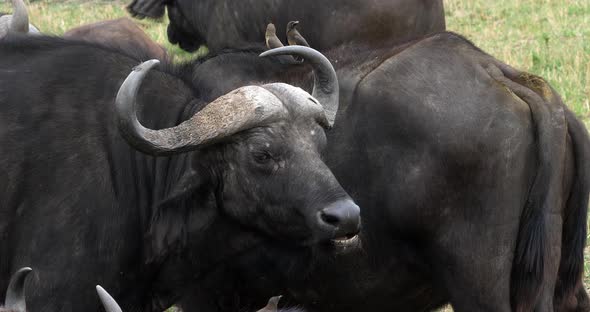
[(325, 24), (81, 204), (473, 178)]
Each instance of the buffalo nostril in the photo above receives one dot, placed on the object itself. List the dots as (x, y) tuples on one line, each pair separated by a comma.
[(342, 217), (330, 219)]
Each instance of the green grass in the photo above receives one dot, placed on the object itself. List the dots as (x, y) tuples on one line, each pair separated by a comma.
[(550, 38), (57, 17)]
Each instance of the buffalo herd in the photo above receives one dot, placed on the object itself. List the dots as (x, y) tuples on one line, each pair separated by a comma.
[(394, 166)]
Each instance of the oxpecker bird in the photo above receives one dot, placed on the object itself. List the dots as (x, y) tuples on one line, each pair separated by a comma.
[(293, 36), (272, 41)]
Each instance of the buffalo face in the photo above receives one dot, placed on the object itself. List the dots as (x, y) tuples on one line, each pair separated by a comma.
[(262, 147), (275, 180)]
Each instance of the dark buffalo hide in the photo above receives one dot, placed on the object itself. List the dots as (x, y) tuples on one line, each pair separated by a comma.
[(473, 178), (325, 24), (82, 205)]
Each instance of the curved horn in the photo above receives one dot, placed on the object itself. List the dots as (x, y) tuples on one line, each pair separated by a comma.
[(15, 295), (110, 305), (238, 110), (325, 88), (20, 17)]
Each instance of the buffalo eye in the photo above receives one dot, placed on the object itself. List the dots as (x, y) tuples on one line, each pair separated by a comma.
[(262, 157)]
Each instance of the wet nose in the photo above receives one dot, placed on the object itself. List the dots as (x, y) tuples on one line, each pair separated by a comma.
[(343, 216)]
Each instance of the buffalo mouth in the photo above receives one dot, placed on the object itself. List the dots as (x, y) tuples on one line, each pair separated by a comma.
[(347, 241)]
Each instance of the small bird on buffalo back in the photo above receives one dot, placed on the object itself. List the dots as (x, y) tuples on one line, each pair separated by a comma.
[(272, 41), (295, 38), (293, 35)]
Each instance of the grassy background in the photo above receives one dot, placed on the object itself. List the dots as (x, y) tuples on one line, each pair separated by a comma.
[(550, 38)]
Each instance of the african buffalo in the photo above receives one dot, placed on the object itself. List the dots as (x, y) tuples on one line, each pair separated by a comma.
[(18, 21), (473, 178), (122, 34), (92, 193), (325, 24)]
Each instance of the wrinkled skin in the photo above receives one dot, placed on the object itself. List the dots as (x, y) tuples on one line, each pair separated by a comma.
[(122, 34), (83, 207), (442, 157), (325, 24)]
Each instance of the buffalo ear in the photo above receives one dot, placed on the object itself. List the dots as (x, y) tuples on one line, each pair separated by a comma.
[(171, 217)]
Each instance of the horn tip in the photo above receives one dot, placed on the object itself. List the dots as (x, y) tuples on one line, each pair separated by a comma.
[(103, 294), (276, 51), (110, 305), (292, 49), (23, 272), (101, 291), (147, 65), (265, 53)]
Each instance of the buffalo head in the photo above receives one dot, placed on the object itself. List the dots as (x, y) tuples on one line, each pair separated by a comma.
[(261, 147)]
